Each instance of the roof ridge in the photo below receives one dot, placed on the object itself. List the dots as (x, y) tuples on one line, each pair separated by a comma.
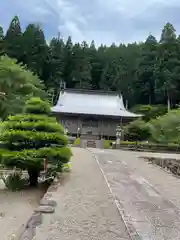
[(100, 92)]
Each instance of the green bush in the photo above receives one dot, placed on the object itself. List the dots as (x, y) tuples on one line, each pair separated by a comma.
[(31, 137), (77, 141), (14, 181), (166, 128), (108, 143), (137, 130)]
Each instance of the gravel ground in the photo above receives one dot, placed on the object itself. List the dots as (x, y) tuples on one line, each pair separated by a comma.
[(85, 209), (15, 209), (148, 196)]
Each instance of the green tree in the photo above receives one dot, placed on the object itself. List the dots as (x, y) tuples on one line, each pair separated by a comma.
[(31, 137), (16, 86), (168, 66), (56, 63), (166, 128), (54, 67), (13, 39), (146, 70), (68, 63), (81, 74), (2, 50), (150, 112), (96, 68), (34, 49)]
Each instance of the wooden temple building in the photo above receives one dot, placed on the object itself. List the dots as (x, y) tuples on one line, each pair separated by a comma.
[(90, 111)]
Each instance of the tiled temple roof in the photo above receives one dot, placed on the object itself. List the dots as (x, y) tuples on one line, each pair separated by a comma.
[(92, 103)]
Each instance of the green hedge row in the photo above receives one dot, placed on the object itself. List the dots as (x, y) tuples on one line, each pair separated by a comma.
[(171, 147), (150, 146), (144, 145)]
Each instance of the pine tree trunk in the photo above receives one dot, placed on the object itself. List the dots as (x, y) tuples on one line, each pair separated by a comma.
[(33, 177), (168, 103), (150, 99)]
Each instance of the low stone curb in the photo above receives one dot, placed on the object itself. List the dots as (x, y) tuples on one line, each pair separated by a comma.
[(47, 206)]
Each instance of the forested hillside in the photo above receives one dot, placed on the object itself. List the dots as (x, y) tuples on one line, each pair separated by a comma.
[(146, 72)]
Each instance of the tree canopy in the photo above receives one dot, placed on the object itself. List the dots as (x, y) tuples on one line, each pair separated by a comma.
[(17, 84), (145, 72)]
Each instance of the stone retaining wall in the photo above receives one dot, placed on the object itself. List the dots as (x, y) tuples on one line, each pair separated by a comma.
[(168, 164)]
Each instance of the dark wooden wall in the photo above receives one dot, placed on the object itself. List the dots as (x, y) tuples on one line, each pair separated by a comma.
[(98, 125)]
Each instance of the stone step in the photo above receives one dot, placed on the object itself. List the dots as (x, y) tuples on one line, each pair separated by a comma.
[(91, 144)]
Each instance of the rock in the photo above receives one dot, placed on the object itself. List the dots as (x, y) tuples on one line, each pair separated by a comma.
[(48, 202), (47, 195), (35, 220), (44, 209)]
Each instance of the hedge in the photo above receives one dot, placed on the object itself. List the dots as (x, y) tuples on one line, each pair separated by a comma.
[(77, 142), (171, 147), (150, 146)]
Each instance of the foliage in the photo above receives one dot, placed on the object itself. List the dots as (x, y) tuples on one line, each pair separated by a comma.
[(12, 40), (168, 65), (165, 129), (137, 130), (34, 48), (31, 137), (144, 146), (16, 85), (146, 70), (146, 73), (77, 141), (150, 111), (15, 180), (107, 144), (67, 167)]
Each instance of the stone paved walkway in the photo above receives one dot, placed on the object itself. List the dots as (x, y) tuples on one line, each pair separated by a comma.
[(149, 198), (85, 208)]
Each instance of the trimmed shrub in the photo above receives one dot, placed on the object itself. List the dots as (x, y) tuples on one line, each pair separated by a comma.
[(31, 137)]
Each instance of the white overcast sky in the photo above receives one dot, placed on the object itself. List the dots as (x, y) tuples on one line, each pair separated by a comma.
[(104, 21)]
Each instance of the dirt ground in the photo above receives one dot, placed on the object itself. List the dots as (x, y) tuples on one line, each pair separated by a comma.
[(15, 209)]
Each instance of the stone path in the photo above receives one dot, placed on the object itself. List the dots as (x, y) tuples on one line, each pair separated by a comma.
[(147, 196), (85, 208)]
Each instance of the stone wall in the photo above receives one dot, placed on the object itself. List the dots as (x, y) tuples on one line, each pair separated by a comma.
[(168, 164)]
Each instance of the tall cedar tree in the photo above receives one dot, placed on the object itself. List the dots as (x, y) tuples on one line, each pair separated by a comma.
[(13, 40), (34, 48), (168, 65), (2, 50), (146, 70)]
